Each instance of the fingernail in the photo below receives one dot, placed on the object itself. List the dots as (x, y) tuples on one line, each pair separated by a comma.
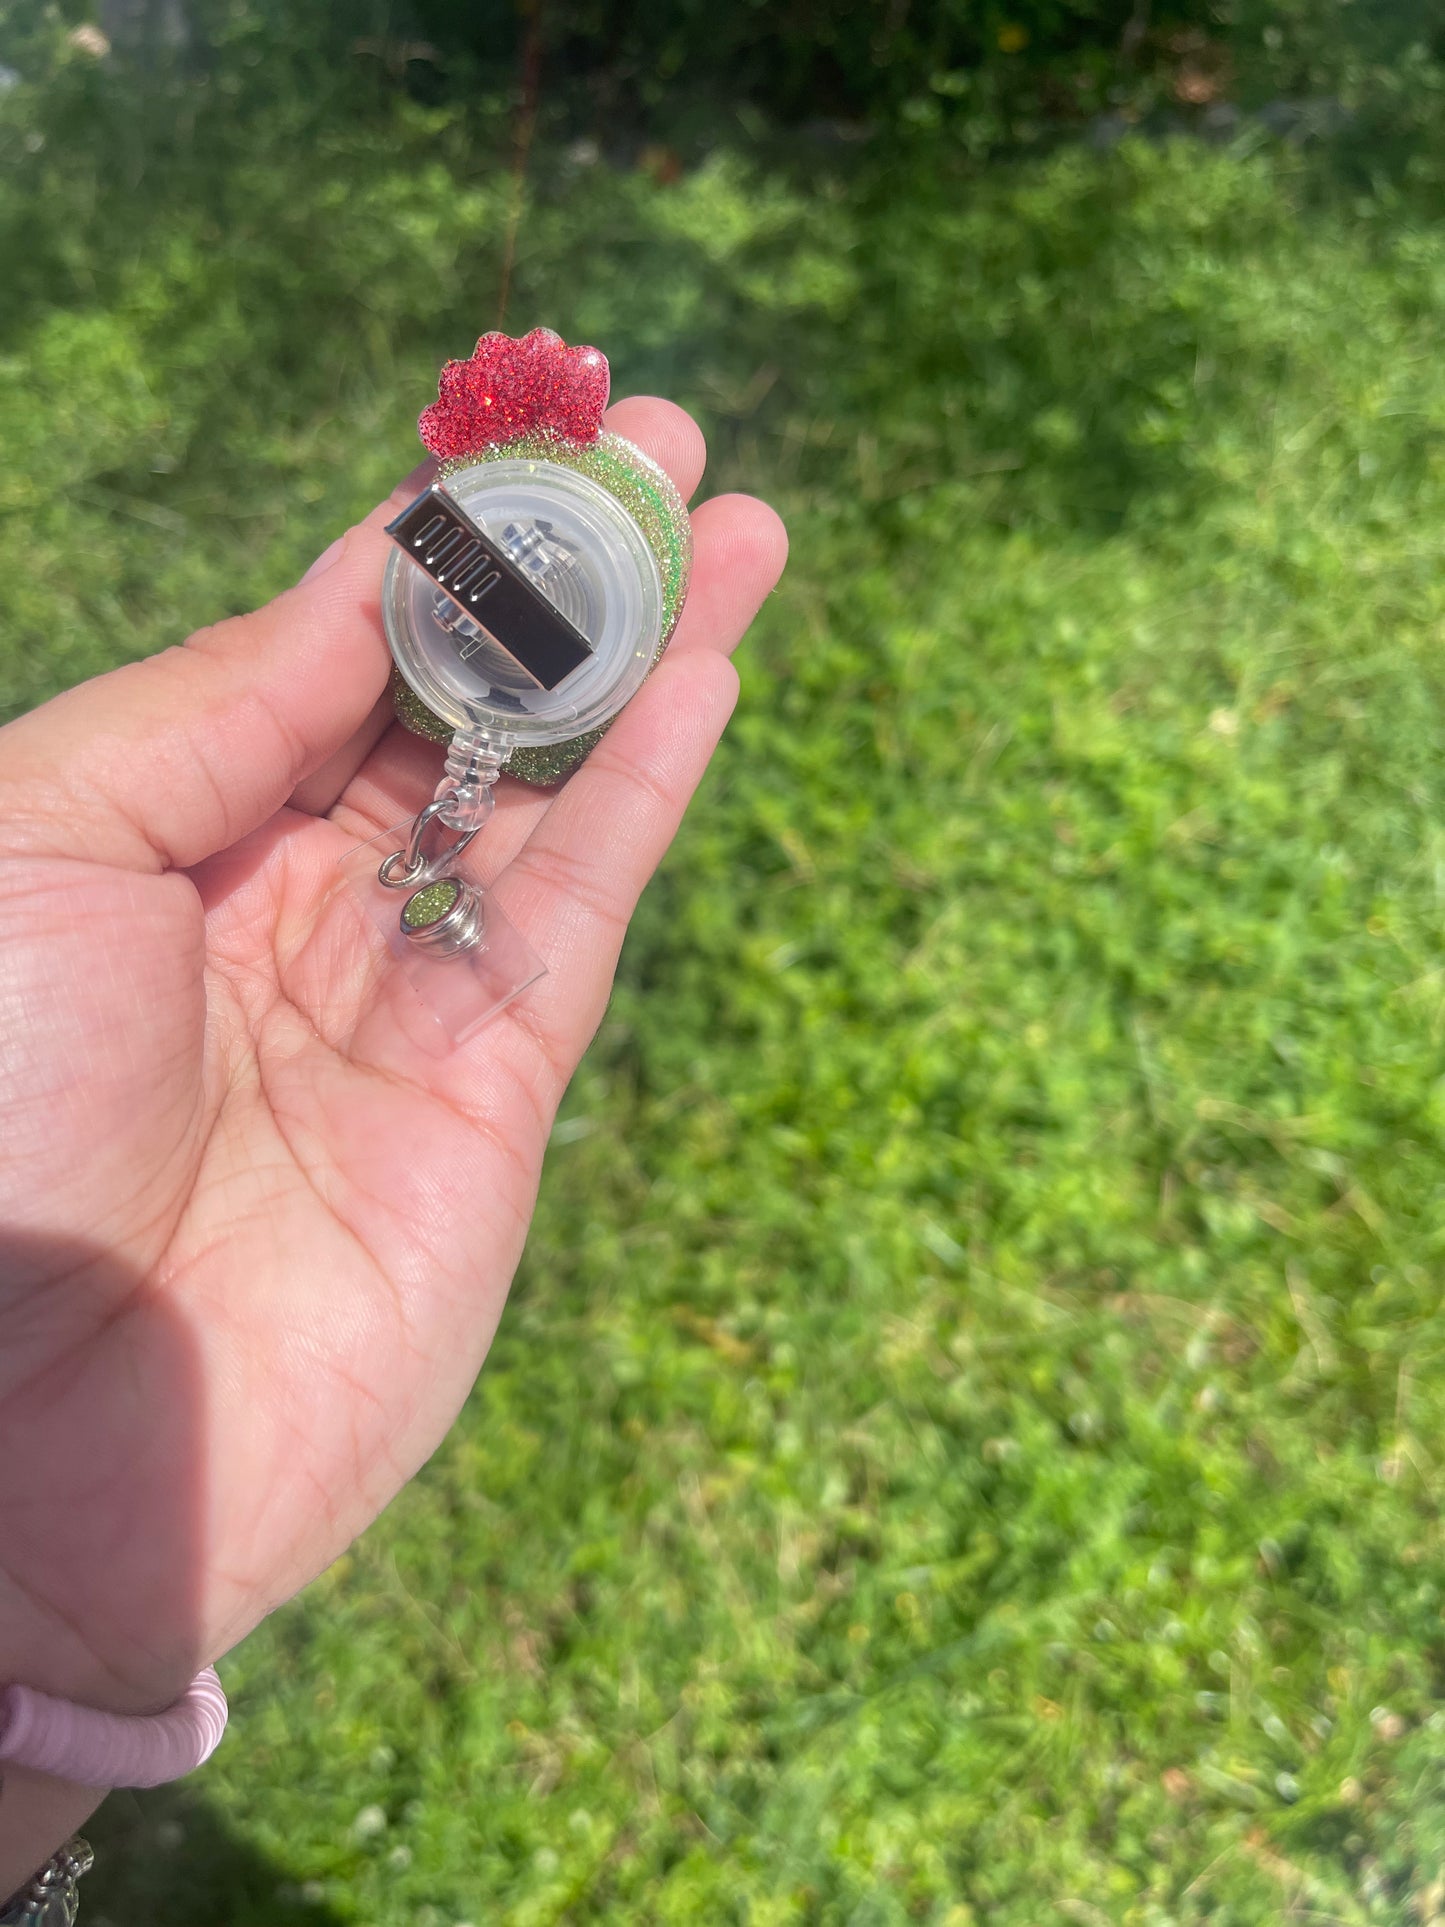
[(323, 562)]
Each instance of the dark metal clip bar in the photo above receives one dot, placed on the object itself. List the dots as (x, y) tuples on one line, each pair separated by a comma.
[(479, 576)]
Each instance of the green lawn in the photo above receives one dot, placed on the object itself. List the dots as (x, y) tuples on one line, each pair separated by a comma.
[(967, 1441)]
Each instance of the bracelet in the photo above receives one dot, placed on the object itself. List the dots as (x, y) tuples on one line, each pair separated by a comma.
[(49, 1898), (95, 1749)]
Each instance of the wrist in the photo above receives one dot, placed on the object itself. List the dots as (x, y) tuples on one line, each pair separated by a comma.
[(38, 1814)]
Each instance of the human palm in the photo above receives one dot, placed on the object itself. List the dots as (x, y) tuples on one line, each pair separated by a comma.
[(254, 1240)]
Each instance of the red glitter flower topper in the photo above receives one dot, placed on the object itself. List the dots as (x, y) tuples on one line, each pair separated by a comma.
[(534, 384)]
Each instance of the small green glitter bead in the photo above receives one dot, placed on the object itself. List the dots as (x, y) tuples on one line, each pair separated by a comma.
[(430, 904)]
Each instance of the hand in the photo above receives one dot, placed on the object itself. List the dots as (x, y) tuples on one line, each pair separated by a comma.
[(251, 1255)]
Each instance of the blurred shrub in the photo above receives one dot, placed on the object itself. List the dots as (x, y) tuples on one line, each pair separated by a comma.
[(803, 60), (624, 71)]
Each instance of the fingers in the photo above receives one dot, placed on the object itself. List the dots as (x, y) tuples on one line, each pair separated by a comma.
[(739, 549), (163, 762), (574, 886), (665, 432), (396, 779), (316, 793)]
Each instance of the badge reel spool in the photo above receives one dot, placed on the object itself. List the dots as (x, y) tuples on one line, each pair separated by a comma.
[(524, 608)]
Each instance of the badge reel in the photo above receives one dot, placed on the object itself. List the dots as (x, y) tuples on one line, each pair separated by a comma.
[(531, 589)]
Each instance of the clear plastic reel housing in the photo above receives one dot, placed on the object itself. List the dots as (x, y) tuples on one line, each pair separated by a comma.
[(587, 555)]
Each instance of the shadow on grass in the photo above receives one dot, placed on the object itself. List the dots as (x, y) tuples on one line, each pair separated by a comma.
[(167, 1859)]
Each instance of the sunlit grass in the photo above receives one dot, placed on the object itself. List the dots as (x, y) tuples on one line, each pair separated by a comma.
[(966, 1443)]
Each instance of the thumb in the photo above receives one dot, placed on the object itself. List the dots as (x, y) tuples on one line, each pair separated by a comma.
[(163, 762)]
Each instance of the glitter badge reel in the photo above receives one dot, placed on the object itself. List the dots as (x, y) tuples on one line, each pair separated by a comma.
[(531, 589)]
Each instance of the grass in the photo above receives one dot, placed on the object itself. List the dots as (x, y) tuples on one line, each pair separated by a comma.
[(966, 1443)]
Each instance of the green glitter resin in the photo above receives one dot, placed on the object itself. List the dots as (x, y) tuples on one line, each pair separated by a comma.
[(430, 904), (650, 497)]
